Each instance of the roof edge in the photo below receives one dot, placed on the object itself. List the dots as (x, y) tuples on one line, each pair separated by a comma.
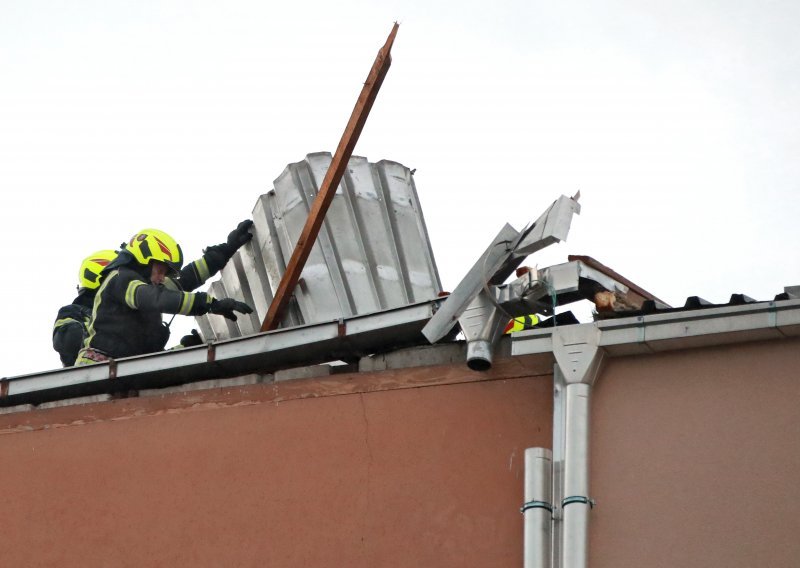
[(680, 330)]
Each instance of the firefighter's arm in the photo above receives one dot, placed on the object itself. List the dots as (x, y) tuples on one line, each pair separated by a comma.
[(151, 297), (214, 258), (68, 335), (146, 297)]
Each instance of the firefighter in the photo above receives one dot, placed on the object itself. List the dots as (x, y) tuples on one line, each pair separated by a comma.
[(521, 322), (144, 281), (69, 330)]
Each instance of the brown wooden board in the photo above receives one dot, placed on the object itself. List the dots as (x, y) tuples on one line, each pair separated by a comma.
[(329, 184)]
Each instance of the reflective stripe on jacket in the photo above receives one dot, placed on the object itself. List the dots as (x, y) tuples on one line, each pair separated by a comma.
[(126, 318)]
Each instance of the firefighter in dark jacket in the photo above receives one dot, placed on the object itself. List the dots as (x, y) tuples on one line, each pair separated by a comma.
[(69, 330), (145, 281)]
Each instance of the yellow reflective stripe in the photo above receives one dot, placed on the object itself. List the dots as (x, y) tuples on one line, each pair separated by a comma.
[(522, 322), (64, 321), (98, 299), (130, 293), (202, 269), (187, 302), (81, 360), (170, 284)]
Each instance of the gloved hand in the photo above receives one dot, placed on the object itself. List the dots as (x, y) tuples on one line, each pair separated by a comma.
[(218, 256), (240, 235), (226, 307), (192, 339)]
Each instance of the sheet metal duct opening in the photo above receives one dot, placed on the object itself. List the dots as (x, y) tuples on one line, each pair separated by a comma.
[(372, 254)]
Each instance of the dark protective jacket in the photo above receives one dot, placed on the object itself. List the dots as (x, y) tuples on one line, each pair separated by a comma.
[(126, 319), (125, 330)]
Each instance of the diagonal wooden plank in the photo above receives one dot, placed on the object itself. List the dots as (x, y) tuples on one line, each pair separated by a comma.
[(329, 184)]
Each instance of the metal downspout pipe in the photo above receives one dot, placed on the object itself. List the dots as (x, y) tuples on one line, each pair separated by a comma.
[(483, 325), (538, 507), (578, 363), (575, 502)]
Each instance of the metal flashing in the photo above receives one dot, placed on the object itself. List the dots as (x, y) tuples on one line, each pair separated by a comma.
[(506, 252), (372, 253), (490, 261)]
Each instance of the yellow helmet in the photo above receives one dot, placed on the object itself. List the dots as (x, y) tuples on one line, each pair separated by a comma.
[(92, 266), (152, 244)]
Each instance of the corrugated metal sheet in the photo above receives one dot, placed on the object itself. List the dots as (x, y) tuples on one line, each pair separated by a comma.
[(372, 254)]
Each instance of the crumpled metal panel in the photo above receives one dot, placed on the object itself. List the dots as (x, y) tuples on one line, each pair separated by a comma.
[(372, 253)]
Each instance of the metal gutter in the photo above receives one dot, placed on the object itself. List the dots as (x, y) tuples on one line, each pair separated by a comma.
[(679, 330), (345, 339)]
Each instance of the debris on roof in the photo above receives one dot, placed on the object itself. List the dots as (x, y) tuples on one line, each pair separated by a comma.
[(606, 301), (692, 303), (372, 254), (329, 186)]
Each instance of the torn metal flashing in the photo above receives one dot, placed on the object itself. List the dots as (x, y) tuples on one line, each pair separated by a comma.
[(372, 253), (499, 261)]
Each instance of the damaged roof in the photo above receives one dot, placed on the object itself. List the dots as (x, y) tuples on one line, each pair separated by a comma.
[(372, 287)]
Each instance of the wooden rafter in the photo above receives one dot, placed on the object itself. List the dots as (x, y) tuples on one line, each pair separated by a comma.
[(329, 184)]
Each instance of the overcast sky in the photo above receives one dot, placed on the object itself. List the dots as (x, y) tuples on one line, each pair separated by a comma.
[(677, 121)]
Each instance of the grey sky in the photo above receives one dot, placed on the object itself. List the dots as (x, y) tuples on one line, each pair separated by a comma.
[(678, 122)]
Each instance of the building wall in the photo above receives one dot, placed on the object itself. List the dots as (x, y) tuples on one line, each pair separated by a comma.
[(421, 467), (696, 458), (694, 464)]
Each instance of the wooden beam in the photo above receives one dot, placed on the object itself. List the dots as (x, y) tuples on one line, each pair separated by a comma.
[(329, 184)]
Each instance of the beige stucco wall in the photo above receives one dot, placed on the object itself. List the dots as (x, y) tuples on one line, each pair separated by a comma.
[(696, 459), (421, 467), (694, 463)]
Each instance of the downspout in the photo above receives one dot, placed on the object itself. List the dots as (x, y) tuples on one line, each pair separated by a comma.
[(483, 325), (578, 363), (538, 507)]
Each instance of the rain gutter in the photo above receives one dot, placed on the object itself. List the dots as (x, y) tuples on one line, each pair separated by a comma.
[(345, 339)]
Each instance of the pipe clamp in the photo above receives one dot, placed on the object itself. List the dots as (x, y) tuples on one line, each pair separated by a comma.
[(577, 499), (536, 505)]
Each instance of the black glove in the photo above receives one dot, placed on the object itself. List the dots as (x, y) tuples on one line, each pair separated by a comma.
[(240, 235), (227, 306), (218, 256), (192, 339), (157, 340)]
